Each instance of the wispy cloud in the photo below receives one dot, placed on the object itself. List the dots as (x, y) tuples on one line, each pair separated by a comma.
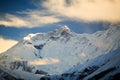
[(6, 44), (29, 20), (59, 10)]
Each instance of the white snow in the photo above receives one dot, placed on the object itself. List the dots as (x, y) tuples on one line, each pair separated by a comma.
[(28, 37), (65, 28)]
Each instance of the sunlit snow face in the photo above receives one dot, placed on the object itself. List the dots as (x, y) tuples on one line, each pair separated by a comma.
[(28, 37)]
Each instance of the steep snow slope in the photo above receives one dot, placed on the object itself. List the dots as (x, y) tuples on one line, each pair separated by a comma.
[(104, 67), (109, 68), (57, 51)]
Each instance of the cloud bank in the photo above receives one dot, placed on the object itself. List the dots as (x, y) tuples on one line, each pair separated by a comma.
[(59, 10), (86, 10), (5, 44)]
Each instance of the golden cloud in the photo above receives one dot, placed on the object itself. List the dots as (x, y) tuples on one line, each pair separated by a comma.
[(86, 10), (5, 44)]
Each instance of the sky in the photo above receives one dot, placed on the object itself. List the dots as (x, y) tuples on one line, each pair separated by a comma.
[(21, 17)]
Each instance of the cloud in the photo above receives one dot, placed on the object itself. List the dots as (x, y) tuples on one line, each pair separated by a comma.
[(86, 10), (12, 20), (55, 11), (5, 44), (44, 61), (29, 20)]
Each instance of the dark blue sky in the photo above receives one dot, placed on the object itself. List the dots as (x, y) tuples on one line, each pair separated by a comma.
[(11, 6), (16, 33)]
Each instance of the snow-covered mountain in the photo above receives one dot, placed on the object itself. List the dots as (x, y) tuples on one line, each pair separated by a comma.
[(62, 51)]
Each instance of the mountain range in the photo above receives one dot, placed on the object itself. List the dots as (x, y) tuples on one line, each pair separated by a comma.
[(64, 55)]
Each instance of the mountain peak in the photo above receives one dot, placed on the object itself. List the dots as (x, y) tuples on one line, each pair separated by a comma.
[(29, 36), (65, 28), (57, 32)]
